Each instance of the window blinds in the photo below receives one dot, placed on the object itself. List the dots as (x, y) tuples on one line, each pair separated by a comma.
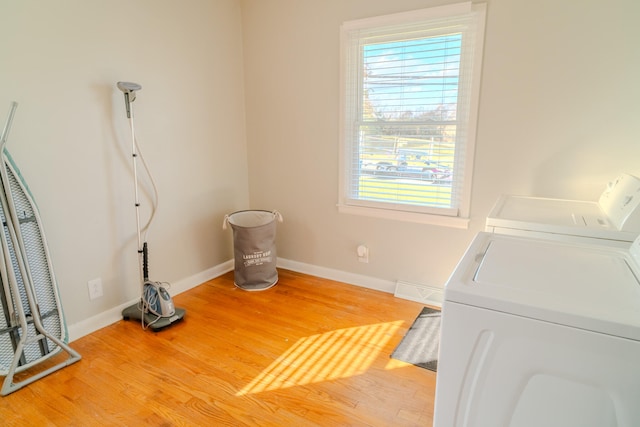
[(407, 95)]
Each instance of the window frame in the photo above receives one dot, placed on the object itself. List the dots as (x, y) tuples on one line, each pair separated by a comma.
[(456, 216)]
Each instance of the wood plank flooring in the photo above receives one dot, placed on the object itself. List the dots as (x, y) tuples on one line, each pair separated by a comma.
[(307, 352)]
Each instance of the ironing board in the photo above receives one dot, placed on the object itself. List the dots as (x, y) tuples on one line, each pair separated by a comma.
[(32, 325)]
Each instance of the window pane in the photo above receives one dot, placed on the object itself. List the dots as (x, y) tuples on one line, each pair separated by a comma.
[(407, 131), (412, 80), (412, 164)]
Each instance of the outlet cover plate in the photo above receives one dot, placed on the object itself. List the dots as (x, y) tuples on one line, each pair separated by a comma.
[(95, 288)]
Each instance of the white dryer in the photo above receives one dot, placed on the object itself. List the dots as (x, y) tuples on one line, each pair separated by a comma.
[(540, 332), (615, 217)]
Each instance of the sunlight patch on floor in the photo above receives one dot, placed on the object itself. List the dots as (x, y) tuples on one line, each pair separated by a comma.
[(396, 364), (335, 354)]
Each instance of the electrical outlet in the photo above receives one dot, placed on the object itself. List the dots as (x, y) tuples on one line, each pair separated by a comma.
[(363, 253), (95, 288)]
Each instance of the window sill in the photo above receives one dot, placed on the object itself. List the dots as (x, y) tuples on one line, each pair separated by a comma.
[(420, 218)]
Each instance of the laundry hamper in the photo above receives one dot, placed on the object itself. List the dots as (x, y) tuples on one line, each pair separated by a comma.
[(254, 248)]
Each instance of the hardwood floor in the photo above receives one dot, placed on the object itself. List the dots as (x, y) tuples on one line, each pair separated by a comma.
[(306, 352)]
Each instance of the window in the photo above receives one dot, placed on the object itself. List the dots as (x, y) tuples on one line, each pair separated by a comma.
[(409, 95)]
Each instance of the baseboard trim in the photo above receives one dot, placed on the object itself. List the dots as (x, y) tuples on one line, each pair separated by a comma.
[(108, 317), (338, 275)]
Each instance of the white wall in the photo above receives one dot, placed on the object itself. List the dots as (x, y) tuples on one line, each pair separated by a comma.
[(558, 117), (60, 60)]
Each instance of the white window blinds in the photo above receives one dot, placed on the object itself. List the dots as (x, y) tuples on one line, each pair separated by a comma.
[(407, 102)]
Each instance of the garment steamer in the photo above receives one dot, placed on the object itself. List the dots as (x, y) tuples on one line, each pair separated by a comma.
[(155, 309)]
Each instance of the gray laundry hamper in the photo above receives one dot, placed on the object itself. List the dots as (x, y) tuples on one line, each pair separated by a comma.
[(254, 248)]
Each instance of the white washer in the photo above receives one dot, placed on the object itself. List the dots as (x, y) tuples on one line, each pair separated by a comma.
[(540, 332), (615, 217)]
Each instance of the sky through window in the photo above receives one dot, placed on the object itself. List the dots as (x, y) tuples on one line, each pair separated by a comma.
[(405, 79)]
